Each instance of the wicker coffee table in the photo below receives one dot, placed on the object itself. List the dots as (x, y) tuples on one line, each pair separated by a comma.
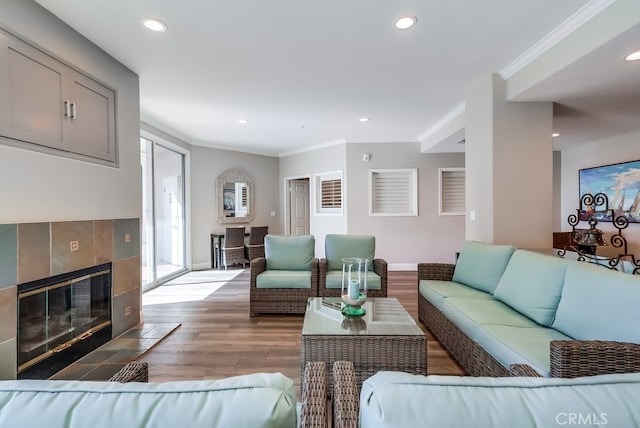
[(385, 338)]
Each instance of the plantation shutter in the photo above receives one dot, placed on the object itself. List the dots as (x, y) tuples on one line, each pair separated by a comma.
[(393, 192), (331, 193), (452, 191)]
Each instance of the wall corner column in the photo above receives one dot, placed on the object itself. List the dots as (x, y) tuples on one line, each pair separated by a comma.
[(509, 167)]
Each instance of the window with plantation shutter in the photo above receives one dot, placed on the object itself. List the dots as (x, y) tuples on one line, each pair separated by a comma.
[(393, 192), (329, 193), (452, 191)]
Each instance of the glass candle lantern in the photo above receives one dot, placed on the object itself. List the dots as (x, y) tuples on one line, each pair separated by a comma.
[(354, 285)]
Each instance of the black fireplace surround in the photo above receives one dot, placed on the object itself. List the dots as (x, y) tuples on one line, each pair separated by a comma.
[(61, 319)]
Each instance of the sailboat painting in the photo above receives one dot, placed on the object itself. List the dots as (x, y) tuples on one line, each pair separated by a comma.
[(621, 183)]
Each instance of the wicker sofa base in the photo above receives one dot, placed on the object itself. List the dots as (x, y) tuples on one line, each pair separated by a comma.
[(467, 353), (568, 358)]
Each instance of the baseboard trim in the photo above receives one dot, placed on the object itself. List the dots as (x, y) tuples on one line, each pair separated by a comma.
[(402, 266), (390, 266), (201, 266)]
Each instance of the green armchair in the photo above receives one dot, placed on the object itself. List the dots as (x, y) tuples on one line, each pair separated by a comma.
[(337, 247), (283, 280)]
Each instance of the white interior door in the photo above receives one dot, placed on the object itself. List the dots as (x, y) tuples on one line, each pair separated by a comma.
[(299, 207)]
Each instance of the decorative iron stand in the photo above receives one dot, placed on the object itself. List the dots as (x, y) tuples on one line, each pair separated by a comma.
[(587, 240)]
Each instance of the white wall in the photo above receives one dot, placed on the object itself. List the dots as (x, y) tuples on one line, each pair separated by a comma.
[(623, 148), (404, 241), (327, 159), (509, 167), (206, 166), (42, 187), (479, 161)]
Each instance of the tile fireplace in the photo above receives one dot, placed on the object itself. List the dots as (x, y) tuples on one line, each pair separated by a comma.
[(48, 254), (61, 319)]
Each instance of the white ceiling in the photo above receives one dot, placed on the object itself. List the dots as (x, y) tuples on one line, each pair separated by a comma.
[(304, 72)]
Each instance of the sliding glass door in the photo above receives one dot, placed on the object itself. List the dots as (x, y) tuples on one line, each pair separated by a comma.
[(163, 223)]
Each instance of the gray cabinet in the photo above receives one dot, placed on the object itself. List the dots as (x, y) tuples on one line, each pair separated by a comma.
[(48, 105)]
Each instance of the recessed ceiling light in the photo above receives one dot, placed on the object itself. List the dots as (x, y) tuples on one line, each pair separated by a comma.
[(405, 22), (154, 25), (364, 119), (555, 134), (243, 121), (633, 56)]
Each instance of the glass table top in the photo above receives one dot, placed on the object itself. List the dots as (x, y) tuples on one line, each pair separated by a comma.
[(384, 316)]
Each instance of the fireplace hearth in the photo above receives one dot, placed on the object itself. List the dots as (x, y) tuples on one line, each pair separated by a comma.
[(61, 319)]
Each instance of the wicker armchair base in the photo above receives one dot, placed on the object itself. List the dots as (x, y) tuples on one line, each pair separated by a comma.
[(314, 396), (279, 300), (346, 395), (135, 371)]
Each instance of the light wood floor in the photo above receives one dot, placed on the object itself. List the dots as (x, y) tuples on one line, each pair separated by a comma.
[(217, 338)]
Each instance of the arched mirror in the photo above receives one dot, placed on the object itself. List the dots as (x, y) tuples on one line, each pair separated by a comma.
[(235, 198)]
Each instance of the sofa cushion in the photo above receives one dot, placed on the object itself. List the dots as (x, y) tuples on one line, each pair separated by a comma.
[(334, 280), (256, 400), (289, 252), (284, 279), (337, 247), (481, 265), (599, 304), (532, 284), (469, 314), (395, 399), (436, 291), (518, 345)]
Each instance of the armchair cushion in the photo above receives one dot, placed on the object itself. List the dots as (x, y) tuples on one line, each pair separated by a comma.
[(289, 252), (481, 265), (284, 279), (334, 280), (338, 247)]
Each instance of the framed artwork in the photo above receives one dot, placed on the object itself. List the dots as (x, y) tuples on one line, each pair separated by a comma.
[(621, 183)]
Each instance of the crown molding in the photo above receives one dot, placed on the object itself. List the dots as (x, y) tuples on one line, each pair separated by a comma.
[(455, 112), (571, 24), (312, 148)]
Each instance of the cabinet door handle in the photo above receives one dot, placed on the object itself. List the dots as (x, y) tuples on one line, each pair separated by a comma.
[(74, 111), (67, 108)]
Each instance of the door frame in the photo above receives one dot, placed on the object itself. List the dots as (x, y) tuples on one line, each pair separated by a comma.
[(287, 203), (152, 134)]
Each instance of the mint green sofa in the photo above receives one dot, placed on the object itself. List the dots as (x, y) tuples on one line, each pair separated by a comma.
[(500, 306), (337, 247), (257, 400), (395, 399), (282, 281)]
